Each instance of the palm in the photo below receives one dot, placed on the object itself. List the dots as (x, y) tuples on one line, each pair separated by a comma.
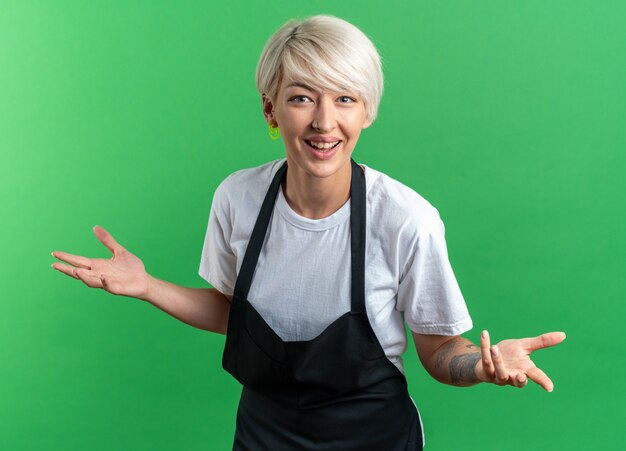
[(123, 274), (515, 357)]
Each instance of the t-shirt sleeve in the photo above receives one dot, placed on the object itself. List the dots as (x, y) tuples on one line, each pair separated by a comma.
[(428, 293), (218, 262)]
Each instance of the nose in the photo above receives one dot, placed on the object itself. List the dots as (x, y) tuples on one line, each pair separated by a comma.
[(324, 119)]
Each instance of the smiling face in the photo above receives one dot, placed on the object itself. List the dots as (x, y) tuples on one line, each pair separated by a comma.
[(320, 129)]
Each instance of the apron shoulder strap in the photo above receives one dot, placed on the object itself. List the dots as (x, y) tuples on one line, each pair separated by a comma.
[(357, 238), (246, 272)]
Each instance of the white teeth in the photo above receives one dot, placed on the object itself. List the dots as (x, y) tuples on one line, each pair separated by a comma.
[(320, 145)]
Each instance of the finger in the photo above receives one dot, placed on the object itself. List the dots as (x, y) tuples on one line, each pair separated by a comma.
[(539, 377), (107, 239), (502, 374), (542, 341), (485, 354), (89, 278), (76, 260), (520, 380), (65, 269)]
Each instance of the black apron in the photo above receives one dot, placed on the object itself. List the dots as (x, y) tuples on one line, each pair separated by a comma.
[(338, 391)]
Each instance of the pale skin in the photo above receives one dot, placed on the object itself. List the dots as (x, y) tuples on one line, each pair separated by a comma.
[(316, 187)]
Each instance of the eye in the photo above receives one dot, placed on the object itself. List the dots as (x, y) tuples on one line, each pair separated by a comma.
[(346, 99), (299, 99)]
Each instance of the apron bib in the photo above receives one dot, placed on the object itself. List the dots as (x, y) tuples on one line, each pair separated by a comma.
[(338, 391)]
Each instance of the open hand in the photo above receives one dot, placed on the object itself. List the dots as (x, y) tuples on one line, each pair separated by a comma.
[(509, 363), (123, 274)]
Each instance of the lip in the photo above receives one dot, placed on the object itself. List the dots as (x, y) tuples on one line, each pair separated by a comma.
[(318, 154), (323, 139)]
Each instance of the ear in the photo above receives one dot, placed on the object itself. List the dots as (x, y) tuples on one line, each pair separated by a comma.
[(367, 123), (268, 110)]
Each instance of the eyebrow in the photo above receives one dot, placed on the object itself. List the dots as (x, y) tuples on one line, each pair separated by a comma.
[(300, 85), (307, 87)]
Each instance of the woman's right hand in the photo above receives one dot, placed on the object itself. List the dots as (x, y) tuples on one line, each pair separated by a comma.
[(123, 274)]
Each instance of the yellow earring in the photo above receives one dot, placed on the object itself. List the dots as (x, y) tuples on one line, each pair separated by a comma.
[(274, 131)]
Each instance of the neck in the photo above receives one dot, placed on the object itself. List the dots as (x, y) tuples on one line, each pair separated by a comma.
[(317, 197)]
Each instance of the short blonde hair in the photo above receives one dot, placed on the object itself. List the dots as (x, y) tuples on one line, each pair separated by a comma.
[(326, 53)]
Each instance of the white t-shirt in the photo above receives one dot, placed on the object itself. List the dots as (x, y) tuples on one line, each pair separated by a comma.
[(302, 279)]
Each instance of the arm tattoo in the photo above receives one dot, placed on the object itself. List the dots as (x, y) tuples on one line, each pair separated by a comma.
[(447, 351), (444, 354), (462, 368)]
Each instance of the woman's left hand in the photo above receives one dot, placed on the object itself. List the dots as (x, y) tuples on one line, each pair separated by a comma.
[(509, 363)]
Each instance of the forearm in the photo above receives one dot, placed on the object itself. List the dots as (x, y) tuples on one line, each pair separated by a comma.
[(204, 308), (454, 362)]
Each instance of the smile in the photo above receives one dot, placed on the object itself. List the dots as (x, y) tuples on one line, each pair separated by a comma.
[(322, 146)]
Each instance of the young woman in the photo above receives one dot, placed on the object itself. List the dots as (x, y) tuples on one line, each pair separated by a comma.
[(317, 262)]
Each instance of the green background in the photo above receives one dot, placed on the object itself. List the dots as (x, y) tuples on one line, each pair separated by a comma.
[(508, 116)]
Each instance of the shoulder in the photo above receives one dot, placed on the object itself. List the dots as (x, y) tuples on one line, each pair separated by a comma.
[(246, 187), (396, 205)]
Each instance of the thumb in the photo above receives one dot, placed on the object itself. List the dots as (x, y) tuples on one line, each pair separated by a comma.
[(107, 239)]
